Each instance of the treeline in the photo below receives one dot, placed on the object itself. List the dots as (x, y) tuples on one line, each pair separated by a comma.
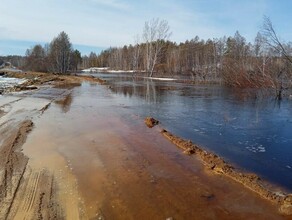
[(232, 59), (57, 57), (266, 62)]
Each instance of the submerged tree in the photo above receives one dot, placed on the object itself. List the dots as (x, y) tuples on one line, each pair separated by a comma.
[(273, 40), (282, 57)]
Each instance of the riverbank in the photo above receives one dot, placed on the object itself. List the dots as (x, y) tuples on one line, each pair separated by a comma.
[(84, 157), (249, 180)]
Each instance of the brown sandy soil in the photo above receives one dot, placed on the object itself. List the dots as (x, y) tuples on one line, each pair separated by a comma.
[(17, 182), (73, 153), (26, 192)]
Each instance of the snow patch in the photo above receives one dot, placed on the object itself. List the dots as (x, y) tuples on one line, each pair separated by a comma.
[(10, 82), (162, 79), (95, 69), (105, 69), (120, 71)]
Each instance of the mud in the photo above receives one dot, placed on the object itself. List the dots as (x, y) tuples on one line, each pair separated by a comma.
[(249, 180), (12, 165), (24, 193), (28, 192), (151, 122)]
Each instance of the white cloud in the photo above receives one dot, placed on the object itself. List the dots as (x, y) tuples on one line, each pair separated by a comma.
[(115, 22), (90, 22)]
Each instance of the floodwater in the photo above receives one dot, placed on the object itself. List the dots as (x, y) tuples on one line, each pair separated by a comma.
[(252, 134), (109, 165)]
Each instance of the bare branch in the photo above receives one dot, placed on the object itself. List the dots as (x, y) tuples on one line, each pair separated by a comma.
[(272, 38)]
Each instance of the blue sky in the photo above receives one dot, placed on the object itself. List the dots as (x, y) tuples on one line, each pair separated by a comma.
[(96, 24)]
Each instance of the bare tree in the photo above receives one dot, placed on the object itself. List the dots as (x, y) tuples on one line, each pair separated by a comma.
[(155, 33), (273, 40), (283, 70), (60, 51), (36, 59)]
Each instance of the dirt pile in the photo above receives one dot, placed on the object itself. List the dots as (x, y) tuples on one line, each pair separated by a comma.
[(151, 122)]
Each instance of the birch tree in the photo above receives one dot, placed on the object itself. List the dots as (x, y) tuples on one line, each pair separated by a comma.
[(155, 33), (136, 53)]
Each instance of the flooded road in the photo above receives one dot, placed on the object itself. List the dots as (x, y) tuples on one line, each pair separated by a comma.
[(106, 164), (254, 134)]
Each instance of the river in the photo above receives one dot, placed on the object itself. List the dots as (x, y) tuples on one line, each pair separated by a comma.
[(254, 135)]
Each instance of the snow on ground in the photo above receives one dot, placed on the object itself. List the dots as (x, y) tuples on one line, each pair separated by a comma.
[(105, 69), (162, 79), (121, 71), (95, 69), (9, 82)]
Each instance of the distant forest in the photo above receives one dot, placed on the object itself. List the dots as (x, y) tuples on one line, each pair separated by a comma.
[(264, 63)]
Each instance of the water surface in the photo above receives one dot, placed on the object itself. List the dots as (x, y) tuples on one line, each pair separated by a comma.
[(253, 134)]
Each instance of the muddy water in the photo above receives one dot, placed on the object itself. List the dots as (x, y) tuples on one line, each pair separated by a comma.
[(108, 164)]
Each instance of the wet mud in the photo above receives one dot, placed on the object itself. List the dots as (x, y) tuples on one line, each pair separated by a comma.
[(24, 193), (28, 192)]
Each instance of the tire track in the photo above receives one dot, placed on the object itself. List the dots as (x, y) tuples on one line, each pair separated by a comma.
[(29, 198), (26, 206), (37, 198), (12, 165)]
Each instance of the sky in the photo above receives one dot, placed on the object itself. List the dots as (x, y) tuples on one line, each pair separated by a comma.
[(94, 25)]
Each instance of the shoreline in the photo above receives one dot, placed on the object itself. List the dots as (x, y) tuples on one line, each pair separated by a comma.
[(219, 166), (35, 79), (145, 165)]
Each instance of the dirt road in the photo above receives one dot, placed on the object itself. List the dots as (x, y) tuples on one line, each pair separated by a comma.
[(77, 153)]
